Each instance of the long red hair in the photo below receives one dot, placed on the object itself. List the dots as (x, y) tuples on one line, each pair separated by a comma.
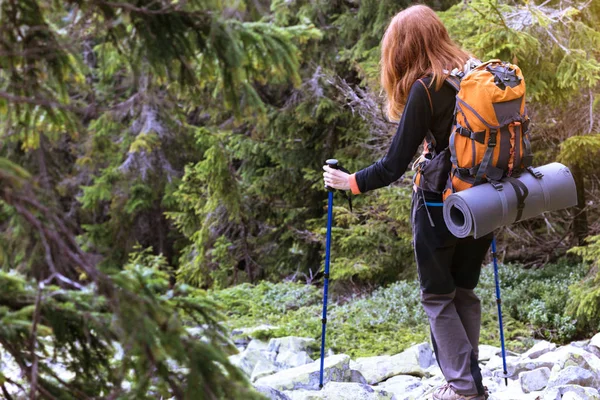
[(416, 43)]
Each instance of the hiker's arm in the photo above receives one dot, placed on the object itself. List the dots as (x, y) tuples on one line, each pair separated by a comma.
[(412, 129)]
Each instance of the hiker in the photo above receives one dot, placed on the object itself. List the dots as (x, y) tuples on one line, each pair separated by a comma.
[(416, 53)]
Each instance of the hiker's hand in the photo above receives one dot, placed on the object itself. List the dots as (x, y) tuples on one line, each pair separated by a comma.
[(335, 178)]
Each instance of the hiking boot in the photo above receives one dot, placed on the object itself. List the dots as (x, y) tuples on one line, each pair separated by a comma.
[(445, 392)]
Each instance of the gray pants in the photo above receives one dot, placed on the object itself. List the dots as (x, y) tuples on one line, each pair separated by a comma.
[(449, 270)]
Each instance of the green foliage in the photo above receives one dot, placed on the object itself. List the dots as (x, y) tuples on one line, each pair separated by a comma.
[(582, 151), (546, 291), (391, 318), (584, 303), (385, 322), (373, 244), (139, 349), (550, 43)]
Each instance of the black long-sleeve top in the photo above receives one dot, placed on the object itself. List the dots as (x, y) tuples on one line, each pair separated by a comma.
[(426, 110)]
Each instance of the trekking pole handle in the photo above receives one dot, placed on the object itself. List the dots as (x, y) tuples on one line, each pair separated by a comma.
[(332, 163)]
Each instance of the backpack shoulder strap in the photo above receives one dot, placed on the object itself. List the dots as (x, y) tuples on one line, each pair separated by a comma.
[(453, 81), (428, 94)]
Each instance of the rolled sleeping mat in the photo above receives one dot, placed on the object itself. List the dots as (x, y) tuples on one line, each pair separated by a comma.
[(482, 209)]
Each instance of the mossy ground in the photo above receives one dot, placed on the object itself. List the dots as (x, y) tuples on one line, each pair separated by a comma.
[(390, 319)]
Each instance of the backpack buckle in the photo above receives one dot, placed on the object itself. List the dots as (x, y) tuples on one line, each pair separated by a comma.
[(497, 185), (492, 140), (537, 174)]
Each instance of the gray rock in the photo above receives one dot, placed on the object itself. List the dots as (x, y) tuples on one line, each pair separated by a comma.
[(594, 345), (288, 359), (262, 368), (435, 381), (290, 343), (572, 391), (540, 348), (495, 362), (527, 364), (574, 376), (257, 344), (354, 391), (242, 336), (248, 359), (595, 341), (486, 352), (304, 394), (582, 344), (404, 387), (499, 391), (433, 370), (271, 393), (336, 368), (532, 381), (491, 384), (515, 365), (356, 376), (567, 356), (413, 361)]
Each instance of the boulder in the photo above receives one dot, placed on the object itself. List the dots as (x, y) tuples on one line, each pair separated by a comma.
[(540, 348), (495, 362), (486, 352), (499, 390), (248, 359), (433, 370), (515, 365), (595, 341), (304, 394), (567, 356), (572, 391), (414, 361), (263, 368), (271, 394), (594, 345), (532, 381), (336, 368), (288, 359), (574, 376), (527, 364), (404, 387), (356, 376), (257, 344), (354, 391), (293, 344)]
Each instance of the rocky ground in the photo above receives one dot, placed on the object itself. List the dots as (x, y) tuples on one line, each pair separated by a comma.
[(282, 369)]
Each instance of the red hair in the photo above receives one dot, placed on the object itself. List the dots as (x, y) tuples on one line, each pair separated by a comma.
[(415, 44)]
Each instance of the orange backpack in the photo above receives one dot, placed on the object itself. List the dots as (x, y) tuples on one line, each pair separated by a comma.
[(490, 136)]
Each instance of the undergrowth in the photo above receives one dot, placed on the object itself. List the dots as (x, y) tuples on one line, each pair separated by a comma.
[(391, 318)]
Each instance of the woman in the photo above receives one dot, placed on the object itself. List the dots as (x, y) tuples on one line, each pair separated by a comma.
[(416, 51)]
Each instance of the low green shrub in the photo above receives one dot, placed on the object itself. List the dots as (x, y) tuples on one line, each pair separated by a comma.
[(536, 298), (391, 318)]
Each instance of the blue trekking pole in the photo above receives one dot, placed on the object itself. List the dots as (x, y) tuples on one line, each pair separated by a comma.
[(499, 303), (333, 164)]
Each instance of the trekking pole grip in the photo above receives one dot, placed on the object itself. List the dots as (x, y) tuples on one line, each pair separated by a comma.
[(332, 163)]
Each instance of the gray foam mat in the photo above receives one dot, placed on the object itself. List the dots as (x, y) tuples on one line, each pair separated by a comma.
[(482, 209)]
